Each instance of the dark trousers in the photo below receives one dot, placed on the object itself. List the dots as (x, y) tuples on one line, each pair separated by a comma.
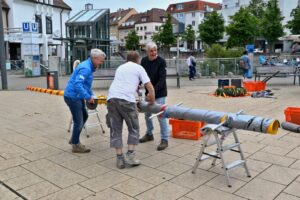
[(79, 115), (192, 71)]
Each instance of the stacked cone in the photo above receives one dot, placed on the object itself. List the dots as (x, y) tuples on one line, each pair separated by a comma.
[(101, 98)]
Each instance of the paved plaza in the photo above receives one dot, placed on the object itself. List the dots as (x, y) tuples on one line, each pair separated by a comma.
[(36, 160)]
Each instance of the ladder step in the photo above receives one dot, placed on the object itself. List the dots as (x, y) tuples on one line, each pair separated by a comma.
[(235, 164), (93, 125), (230, 146)]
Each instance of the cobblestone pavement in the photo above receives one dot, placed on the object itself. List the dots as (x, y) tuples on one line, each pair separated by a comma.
[(36, 160)]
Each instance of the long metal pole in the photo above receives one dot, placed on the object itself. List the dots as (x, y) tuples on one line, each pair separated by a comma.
[(2, 54)]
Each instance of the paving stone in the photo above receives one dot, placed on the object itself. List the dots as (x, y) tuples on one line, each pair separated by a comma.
[(276, 150), (270, 141), (193, 181), (174, 168), (296, 165), (284, 196), (274, 159), (62, 157), (12, 173), (251, 147), (279, 174), (6, 194), (23, 181), (109, 194), (11, 151), (181, 150), (74, 192), (207, 193), (293, 189), (257, 165), (82, 162), (260, 189), (13, 162), (43, 153), (104, 181), (219, 183), (133, 187), (93, 171), (158, 160), (166, 190), (54, 173), (295, 153), (38, 190), (149, 175)]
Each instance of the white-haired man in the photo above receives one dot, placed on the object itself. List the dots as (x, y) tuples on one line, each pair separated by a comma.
[(79, 89), (155, 67)]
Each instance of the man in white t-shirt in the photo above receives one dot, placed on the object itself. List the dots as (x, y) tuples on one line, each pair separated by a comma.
[(121, 106)]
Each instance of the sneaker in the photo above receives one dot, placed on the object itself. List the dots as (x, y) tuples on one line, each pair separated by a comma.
[(163, 144), (146, 138), (131, 160), (80, 148), (121, 162)]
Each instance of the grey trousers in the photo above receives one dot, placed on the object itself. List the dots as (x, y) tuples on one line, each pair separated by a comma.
[(118, 111)]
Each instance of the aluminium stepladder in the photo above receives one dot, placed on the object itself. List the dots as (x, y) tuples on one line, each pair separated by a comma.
[(90, 125), (219, 133)]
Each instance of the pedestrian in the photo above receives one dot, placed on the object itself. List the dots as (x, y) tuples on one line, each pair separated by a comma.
[(122, 106), (245, 64), (79, 90), (191, 63), (155, 67)]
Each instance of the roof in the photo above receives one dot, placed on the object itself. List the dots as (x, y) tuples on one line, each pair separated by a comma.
[(4, 5), (56, 3), (194, 6), (115, 17), (84, 16), (130, 22)]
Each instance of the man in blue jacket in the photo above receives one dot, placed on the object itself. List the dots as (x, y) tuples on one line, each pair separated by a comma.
[(79, 89)]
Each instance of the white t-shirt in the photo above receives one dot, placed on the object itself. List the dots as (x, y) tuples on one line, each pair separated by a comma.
[(127, 78)]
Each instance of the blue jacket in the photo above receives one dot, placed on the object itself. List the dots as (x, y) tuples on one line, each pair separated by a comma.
[(80, 83)]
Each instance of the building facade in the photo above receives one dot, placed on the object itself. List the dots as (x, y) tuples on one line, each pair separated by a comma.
[(192, 13), (47, 17)]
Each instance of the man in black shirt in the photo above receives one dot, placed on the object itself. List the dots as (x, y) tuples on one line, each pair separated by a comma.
[(155, 67)]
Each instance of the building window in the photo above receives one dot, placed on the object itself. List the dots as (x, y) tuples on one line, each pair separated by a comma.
[(225, 6), (144, 19), (141, 28), (180, 15), (193, 14), (48, 25), (145, 28), (145, 37), (237, 4), (157, 28), (193, 23), (179, 7), (141, 37), (137, 28), (38, 20)]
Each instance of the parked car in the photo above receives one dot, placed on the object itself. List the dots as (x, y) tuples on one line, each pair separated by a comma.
[(258, 50)]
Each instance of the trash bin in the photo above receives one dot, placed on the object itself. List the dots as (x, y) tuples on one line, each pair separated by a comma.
[(52, 80)]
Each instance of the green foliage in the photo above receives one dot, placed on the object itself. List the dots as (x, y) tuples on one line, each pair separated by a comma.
[(256, 8), (294, 24), (217, 51), (231, 92), (243, 29), (212, 28), (132, 41), (272, 22), (189, 36), (165, 36)]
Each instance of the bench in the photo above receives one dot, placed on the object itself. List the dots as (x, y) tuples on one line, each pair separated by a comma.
[(279, 71)]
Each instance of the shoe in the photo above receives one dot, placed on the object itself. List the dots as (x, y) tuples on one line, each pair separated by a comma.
[(121, 162), (80, 148), (131, 160), (146, 138), (163, 144)]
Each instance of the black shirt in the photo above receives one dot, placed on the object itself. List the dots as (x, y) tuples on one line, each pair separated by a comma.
[(156, 70)]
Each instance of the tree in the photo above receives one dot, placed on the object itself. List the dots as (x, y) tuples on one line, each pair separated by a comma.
[(189, 36), (256, 7), (165, 36), (294, 24), (212, 28), (243, 29), (272, 23), (132, 41)]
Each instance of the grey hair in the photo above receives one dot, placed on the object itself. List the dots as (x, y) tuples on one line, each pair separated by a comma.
[(151, 45), (97, 53)]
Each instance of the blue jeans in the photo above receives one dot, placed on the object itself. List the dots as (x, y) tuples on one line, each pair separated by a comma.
[(79, 114), (164, 128)]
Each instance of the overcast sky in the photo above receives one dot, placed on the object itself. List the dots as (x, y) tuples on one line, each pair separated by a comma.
[(113, 5)]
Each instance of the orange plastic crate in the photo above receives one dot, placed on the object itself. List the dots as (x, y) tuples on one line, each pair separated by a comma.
[(292, 114), (186, 129), (253, 86)]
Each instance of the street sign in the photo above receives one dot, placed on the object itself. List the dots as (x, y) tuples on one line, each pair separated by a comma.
[(26, 26), (34, 27)]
